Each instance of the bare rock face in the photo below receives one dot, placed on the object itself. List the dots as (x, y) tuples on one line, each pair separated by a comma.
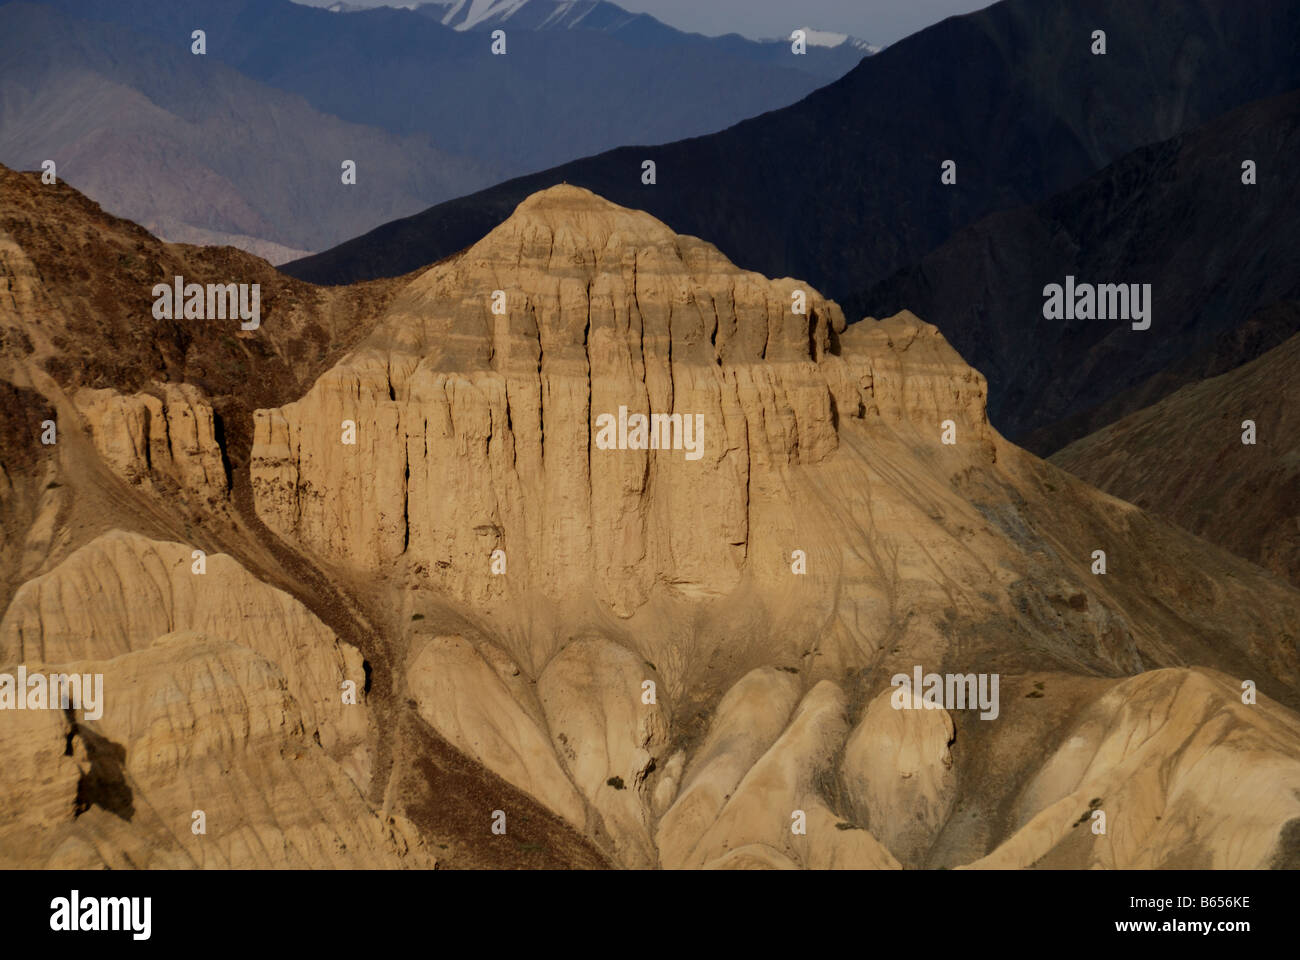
[(656, 646), (97, 564), (755, 856), (478, 435), (850, 514), (745, 724), (145, 439), (777, 804), (121, 591), (475, 708), (607, 736), (1184, 773), (477, 431), (201, 754), (898, 771)]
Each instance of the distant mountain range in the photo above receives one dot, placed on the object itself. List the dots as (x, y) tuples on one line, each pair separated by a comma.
[(195, 150), (244, 144), (829, 55), (603, 17), (844, 187)]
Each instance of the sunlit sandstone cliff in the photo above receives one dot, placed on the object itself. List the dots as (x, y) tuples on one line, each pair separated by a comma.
[(685, 662), (476, 432)]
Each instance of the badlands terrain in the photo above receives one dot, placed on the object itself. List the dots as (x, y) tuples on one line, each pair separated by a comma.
[(617, 657)]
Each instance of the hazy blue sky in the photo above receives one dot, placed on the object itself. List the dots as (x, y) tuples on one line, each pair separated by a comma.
[(880, 21)]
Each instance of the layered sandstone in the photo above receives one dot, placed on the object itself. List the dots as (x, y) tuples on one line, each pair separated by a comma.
[(121, 591), (475, 430), (664, 660), (148, 440), (202, 758), (852, 515)]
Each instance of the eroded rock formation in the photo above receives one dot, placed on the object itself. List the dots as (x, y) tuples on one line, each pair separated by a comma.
[(648, 658)]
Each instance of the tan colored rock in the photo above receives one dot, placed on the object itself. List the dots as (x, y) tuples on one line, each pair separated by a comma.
[(783, 781), (755, 856), (606, 737), (665, 791), (121, 591), (745, 724), (477, 432), (189, 723), (40, 785), (146, 439), (899, 775), (826, 538), (466, 701), (43, 534), (1185, 773), (833, 843), (469, 421)]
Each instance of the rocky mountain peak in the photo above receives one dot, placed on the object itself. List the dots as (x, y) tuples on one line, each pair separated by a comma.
[(589, 525)]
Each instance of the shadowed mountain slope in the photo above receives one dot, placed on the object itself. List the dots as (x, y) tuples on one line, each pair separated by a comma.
[(1183, 458), (1222, 259), (843, 188)]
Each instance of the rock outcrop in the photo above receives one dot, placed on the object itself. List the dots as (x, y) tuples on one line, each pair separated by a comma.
[(476, 431), (121, 591), (899, 776), (851, 514), (1185, 774), (485, 713), (145, 439), (202, 758), (619, 640)]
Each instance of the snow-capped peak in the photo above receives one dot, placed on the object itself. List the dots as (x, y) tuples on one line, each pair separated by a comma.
[(824, 38), (480, 10)]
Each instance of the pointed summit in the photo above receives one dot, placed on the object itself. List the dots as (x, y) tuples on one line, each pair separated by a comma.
[(569, 220), (573, 273)]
